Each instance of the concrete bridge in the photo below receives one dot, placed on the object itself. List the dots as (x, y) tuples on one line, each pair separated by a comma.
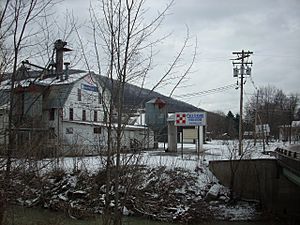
[(274, 182), (289, 160)]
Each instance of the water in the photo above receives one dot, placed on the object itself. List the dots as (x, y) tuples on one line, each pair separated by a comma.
[(35, 216)]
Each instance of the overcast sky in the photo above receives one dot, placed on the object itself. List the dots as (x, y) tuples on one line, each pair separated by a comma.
[(269, 28)]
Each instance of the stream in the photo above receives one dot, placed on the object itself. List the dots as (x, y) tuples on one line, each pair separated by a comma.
[(34, 216)]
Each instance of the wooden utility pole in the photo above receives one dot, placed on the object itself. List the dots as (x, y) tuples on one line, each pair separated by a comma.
[(255, 119), (240, 73)]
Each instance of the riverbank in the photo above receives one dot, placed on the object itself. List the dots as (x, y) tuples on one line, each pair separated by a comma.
[(172, 195), (162, 186)]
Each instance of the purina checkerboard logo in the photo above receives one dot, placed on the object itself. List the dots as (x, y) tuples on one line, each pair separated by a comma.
[(190, 119), (180, 118)]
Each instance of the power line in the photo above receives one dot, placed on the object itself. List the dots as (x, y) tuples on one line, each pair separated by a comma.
[(290, 56), (252, 81), (207, 92)]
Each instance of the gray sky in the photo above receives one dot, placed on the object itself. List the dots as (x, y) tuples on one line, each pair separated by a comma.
[(269, 28)]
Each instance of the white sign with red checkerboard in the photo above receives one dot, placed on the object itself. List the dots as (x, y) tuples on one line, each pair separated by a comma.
[(190, 119)]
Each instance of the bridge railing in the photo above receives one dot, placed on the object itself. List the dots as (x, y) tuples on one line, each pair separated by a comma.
[(288, 153)]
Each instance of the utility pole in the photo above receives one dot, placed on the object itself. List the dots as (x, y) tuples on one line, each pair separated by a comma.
[(240, 72), (255, 119)]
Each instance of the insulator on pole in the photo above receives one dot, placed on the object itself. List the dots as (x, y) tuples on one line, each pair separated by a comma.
[(235, 72), (248, 71)]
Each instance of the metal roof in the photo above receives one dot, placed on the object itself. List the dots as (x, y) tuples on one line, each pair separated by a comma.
[(56, 90), (92, 123)]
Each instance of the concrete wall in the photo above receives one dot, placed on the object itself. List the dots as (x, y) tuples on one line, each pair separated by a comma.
[(172, 137), (260, 179)]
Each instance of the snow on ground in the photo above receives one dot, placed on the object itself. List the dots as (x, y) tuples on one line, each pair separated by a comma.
[(240, 211), (187, 159), (214, 150)]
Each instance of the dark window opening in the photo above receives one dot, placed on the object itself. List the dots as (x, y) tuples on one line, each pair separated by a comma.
[(83, 115), (69, 130), (97, 130), (79, 94), (95, 116), (51, 114), (99, 98), (71, 114)]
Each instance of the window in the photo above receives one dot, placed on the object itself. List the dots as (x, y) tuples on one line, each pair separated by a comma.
[(79, 94), (51, 133), (71, 114), (83, 115), (51, 114), (105, 117), (69, 130), (97, 130), (95, 116), (99, 98)]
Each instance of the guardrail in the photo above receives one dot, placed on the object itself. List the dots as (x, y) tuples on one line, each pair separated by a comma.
[(289, 159), (288, 153)]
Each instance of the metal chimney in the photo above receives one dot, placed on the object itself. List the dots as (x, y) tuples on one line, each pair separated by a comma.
[(66, 70), (59, 47)]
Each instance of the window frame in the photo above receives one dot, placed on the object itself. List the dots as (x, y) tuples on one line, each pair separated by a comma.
[(99, 98), (97, 130), (79, 93), (52, 114), (95, 116), (69, 130), (71, 114), (83, 115)]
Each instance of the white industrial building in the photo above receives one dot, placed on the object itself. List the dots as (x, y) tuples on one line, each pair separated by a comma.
[(63, 112)]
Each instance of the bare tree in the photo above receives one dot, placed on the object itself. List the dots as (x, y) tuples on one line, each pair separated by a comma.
[(122, 34), (235, 162), (273, 106), (20, 17), (19, 34)]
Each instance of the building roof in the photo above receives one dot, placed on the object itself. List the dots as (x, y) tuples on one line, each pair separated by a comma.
[(39, 78), (58, 96), (135, 97), (56, 92), (91, 123)]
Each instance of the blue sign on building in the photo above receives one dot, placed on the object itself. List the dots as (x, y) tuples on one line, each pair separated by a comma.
[(89, 87)]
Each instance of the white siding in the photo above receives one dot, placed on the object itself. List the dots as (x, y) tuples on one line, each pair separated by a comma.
[(80, 138), (89, 101)]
